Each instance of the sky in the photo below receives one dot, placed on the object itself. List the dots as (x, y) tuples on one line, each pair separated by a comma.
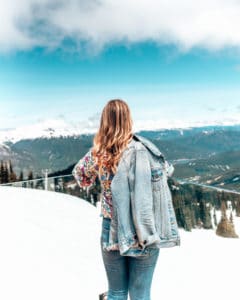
[(176, 63)]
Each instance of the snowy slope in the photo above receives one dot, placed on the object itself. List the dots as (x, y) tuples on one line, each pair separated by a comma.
[(49, 249)]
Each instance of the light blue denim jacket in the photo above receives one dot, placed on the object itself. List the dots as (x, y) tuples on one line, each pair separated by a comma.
[(144, 216), (143, 213)]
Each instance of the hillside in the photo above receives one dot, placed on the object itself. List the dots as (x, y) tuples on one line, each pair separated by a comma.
[(222, 169), (202, 154)]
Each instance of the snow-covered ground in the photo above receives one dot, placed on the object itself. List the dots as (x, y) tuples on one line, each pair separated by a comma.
[(49, 249)]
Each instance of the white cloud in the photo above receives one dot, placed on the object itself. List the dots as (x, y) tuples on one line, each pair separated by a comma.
[(210, 24)]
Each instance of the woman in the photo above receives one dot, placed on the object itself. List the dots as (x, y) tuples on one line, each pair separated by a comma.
[(136, 208)]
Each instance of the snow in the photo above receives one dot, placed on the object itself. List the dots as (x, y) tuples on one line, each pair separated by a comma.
[(48, 128), (236, 179), (50, 249), (195, 178), (60, 126)]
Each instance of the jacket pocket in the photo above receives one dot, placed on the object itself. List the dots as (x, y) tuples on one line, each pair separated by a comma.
[(156, 174)]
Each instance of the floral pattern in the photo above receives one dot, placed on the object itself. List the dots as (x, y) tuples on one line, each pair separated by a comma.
[(85, 173)]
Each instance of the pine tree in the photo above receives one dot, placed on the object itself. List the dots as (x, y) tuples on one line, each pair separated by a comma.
[(30, 177), (223, 209), (20, 178), (1, 172), (231, 217), (199, 223), (207, 217), (4, 172), (214, 217), (12, 174), (237, 205), (225, 227)]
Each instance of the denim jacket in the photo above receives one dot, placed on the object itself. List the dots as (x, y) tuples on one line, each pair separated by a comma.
[(143, 213), (144, 216)]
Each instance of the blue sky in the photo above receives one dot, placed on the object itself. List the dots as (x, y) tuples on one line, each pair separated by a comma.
[(164, 83)]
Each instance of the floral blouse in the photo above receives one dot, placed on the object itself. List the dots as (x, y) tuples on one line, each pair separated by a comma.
[(86, 172)]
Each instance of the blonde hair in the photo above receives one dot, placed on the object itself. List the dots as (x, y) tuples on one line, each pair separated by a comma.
[(114, 133)]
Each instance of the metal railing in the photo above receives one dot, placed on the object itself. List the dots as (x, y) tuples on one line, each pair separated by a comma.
[(66, 183), (63, 184), (45, 183)]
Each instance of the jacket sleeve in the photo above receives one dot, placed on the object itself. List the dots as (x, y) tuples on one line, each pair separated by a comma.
[(142, 200), (85, 171)]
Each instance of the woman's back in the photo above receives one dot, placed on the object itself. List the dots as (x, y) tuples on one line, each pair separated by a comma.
[(129, 236)]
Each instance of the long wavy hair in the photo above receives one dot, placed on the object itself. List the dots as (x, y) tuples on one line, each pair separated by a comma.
[(114, 133)]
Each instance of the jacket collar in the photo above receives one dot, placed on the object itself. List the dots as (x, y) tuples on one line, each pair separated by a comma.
[(149, 145)]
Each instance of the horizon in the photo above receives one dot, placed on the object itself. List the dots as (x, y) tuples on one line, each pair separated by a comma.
[(56, 130)]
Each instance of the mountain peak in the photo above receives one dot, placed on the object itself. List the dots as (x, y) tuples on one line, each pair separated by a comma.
[(46, 129)]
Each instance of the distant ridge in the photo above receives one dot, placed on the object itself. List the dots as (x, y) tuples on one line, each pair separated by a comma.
[(199, 153), (60, 127)]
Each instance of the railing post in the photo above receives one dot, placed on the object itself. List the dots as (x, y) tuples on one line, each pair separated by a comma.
[(45, 172)]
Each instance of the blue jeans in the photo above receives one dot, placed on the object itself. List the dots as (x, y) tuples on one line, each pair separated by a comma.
[(127, 274)]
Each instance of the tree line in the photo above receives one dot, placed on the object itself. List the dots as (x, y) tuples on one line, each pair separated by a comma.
[(193, 205), (7, 174)]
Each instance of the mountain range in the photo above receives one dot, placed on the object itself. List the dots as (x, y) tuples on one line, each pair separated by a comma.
[(209, 154)]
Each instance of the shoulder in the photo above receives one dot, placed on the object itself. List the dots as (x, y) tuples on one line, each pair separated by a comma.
[(142, 145), (134, 146), (149, 145), (133, 150)]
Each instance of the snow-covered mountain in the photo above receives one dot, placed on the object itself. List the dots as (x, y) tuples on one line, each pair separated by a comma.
[(61, 127), (49, 249), (47, 129)]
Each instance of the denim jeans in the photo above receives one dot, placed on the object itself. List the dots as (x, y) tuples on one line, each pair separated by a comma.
[(126, 273)]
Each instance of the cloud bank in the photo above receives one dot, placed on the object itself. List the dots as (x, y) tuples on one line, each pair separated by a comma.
[(95, 24)]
